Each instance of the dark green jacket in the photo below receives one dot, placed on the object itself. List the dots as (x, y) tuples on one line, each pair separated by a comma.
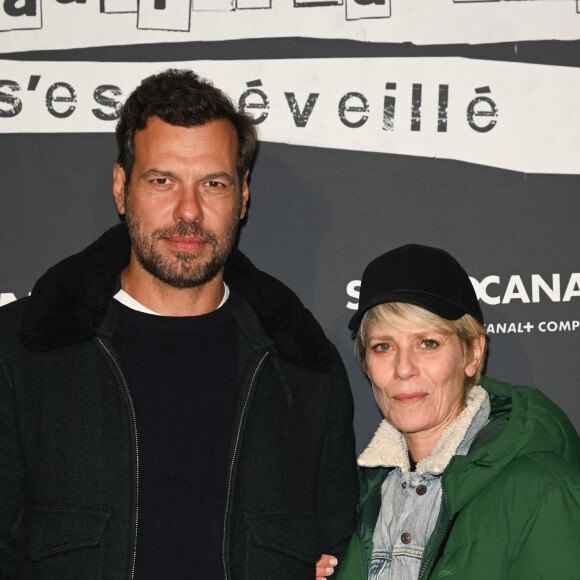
[(68, 437), (510, 507)]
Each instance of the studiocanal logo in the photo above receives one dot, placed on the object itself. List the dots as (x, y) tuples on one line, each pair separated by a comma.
[(495, 290)]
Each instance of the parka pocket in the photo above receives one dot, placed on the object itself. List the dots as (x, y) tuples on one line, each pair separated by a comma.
[(60, 542), (282, 545)]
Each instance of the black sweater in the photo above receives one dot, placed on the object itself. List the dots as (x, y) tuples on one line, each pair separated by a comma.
[(181, 372)]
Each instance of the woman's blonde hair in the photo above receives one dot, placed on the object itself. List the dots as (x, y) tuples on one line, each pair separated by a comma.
[(466, 328)]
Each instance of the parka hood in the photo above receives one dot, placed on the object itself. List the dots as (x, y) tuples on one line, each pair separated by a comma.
[(528, 422), (69, 302)]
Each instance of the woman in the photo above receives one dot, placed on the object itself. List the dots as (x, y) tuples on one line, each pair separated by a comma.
[(466, 476)]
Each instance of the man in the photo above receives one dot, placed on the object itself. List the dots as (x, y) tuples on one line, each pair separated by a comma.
[(168, 410)]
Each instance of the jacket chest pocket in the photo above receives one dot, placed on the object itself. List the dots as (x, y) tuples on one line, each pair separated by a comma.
[(60, 543), (281, 546)]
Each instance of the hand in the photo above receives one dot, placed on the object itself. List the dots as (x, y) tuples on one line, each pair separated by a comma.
[(325, 566)]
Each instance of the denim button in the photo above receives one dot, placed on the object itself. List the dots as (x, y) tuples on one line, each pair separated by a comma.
[(421, 489), (404, 485), (405, 537)]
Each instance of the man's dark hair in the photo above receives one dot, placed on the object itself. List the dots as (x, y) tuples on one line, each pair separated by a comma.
[(184, 99)]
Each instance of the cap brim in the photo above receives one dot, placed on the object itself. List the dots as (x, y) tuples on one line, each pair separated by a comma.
[(430, 302)]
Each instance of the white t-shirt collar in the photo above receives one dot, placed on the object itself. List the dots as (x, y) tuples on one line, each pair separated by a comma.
[(124, 298)]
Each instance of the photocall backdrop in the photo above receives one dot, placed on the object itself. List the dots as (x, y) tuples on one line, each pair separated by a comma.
[(449, 123)]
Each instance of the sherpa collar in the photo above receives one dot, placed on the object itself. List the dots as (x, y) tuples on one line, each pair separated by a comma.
[(389, 449), (68, 304)]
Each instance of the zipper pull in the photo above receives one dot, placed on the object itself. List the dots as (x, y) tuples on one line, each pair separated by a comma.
[(481, 461)]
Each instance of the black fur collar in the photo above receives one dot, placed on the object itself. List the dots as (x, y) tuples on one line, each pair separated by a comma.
[(69, 302)]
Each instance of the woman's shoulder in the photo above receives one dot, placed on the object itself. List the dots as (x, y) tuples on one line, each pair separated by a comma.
[(543, 471), (531, 423)]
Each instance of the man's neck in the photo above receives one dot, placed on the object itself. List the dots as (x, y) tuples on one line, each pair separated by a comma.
[(168, 300)]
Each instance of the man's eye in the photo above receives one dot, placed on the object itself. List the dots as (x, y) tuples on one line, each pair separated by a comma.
[(161, 181), (214, 184)]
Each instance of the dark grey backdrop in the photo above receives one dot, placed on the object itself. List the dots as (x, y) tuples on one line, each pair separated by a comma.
[(317, 216)]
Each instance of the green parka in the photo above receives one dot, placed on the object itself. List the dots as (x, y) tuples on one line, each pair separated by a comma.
[(510, 507)]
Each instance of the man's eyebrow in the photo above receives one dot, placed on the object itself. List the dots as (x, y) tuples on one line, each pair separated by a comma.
[(153, 172), (218, 175)]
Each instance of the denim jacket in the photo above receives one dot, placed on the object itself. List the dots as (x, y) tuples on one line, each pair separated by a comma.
[(411, 500)]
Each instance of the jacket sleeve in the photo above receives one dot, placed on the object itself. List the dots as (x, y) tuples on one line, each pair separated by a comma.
[(549, 543), (11, 476), (338, 478), (354, 564)]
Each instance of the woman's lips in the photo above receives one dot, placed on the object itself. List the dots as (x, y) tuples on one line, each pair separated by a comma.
[(186, 243), (410, 398)]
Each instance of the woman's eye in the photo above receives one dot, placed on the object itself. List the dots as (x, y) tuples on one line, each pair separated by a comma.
[(430, 343), (381, 347)]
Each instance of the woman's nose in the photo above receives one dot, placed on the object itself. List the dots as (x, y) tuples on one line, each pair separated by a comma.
[(405, 365)]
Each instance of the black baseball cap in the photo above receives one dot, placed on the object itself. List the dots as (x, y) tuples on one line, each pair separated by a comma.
[(422, 275)]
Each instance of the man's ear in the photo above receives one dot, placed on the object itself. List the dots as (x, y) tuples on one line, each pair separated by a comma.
[(119, 188), (245, 192)]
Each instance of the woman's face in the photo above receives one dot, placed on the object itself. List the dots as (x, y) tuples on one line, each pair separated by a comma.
[(418, 375)]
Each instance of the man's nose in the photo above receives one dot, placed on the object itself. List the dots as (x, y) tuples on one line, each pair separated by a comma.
[(188, 207)]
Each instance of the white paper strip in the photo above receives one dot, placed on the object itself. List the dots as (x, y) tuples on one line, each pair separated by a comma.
[(515, 116)]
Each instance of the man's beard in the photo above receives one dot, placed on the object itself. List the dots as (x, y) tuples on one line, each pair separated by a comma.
[(183, 270)]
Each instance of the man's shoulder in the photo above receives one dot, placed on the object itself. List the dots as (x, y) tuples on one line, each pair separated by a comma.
[(11, 315), (292, 328), (69, 301)]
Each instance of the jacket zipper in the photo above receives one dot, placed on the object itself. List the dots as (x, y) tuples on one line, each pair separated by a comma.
[(427, 563), (232, 464), (134, 425)]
